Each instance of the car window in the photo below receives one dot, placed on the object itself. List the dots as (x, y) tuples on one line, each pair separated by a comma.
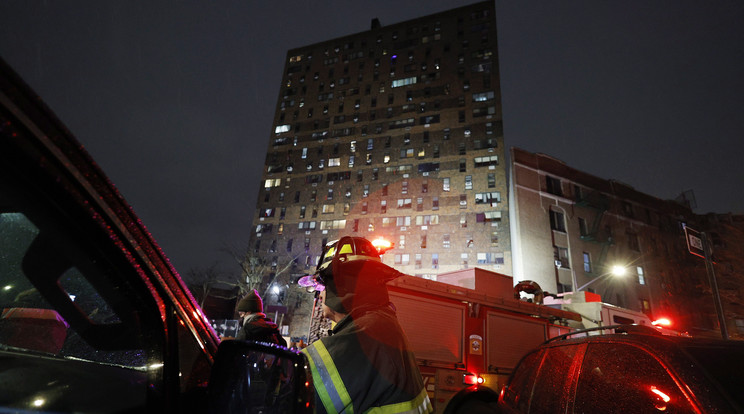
[(553, 380), (621, 378), (70, 325), (517, 393), (724, 364)]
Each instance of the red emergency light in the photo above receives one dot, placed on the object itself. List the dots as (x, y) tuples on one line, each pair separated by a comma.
[(662, 322), (472, 379), (382, 245)]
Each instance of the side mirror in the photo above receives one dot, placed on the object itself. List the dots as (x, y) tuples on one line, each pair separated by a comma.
[(252, 377)]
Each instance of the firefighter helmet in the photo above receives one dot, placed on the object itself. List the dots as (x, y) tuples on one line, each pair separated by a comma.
[(353, 274)]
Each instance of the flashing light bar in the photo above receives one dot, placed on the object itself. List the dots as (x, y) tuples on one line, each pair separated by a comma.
[(663, 322), (382, 245)]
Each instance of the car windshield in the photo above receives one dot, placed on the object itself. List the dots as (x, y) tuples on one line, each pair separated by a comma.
[(724, 364)]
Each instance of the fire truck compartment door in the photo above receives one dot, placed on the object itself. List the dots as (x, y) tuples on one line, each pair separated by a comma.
[(510, 338), (435, 329)]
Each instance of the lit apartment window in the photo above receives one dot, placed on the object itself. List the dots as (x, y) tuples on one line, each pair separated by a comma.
[(427, 220), (561, 256), (491, 198), (464, 260), (404, 203), (404, 82), (463, 201), (275, 182), (402, 242), (302, 212), (383, 206), (469, 183), (435, 261), (304, 153), (483, 96), (446, 241), (588, 263), (490, 161), (445, 184), (641, 277), (407, 153)]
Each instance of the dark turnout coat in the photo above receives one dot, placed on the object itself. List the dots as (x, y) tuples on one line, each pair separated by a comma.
[(366, 365)]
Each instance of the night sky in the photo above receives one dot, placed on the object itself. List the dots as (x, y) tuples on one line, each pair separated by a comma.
[(175, 99)]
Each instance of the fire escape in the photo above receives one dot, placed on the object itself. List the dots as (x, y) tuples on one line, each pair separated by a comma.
[(600, 203)]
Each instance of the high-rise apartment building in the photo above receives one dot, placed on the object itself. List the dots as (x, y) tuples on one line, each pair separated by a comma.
[(395, 132)]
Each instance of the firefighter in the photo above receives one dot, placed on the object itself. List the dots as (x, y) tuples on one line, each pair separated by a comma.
[(366, 364)]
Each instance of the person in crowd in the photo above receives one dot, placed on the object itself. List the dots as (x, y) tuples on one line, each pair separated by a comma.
[(256, 326)]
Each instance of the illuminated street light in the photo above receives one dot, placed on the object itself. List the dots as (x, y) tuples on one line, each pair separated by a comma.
[(616, 270)]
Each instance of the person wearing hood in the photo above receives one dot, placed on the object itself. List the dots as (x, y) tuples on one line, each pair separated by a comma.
[(366, 364), (256, 326)]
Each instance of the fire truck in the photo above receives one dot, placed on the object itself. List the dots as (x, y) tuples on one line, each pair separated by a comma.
[(468, 329)]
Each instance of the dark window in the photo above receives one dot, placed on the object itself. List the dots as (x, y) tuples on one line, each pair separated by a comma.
[(557, 221), (553, 185), (517, 393), (622, 378), (549, 394)]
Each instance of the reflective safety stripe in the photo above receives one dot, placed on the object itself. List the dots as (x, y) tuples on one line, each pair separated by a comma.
[(327, 380), (418, 405)]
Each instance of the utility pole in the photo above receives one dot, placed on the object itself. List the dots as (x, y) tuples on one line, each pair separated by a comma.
[(698, 245), (714, 286)]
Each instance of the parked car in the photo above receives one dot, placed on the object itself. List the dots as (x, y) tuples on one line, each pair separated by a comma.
[(636, 369), (93, 319)]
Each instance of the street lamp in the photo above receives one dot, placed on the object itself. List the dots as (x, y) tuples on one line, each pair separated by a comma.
[(616, 270)]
